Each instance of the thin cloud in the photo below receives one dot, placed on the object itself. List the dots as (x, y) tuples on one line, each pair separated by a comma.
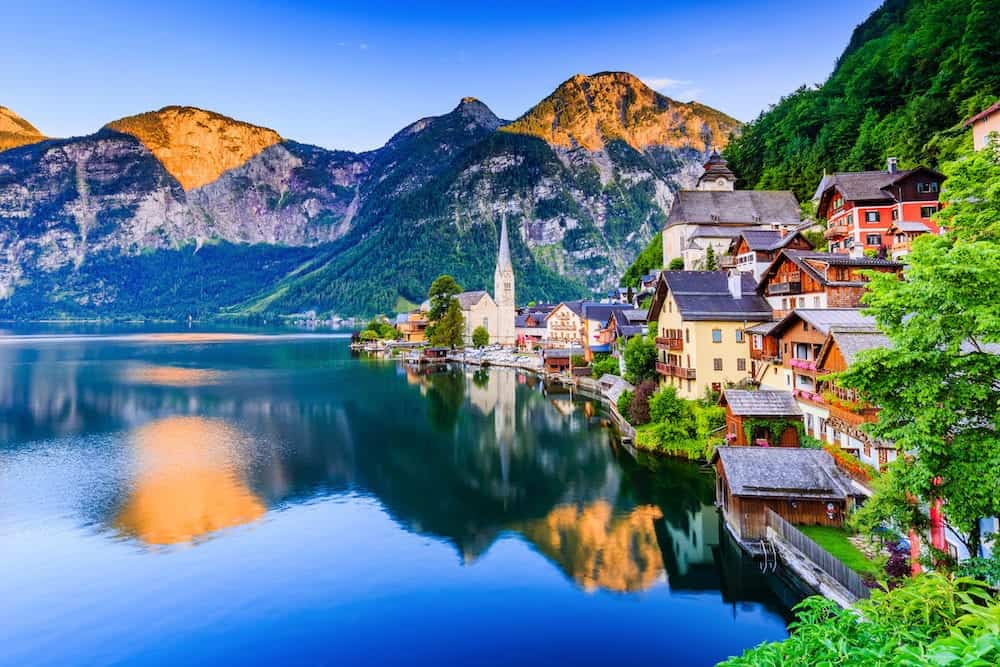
[(689, 94), (664, 82)]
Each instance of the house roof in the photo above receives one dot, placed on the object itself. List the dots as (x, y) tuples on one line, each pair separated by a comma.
[(866, 185), (764, 328), (762, 403), (783, 472), (614, 386), (628, 317), (910, 226), (767, 240), (576, 307), (468, 299), (739, 207), (715, 168), (851, 342), (601, 312), (988, 111), (806, 260), (824, 319), (562, 352), (705, 296)]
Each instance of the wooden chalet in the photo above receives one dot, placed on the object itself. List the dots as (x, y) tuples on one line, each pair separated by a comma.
[(806, 279), (557, 360), (901, 234), (803, 486), (764, 418)]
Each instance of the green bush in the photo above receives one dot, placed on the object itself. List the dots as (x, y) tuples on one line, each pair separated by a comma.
[(930, 620), (640, 360), (480, 337), (603, 364), (638, 410), (676, 264), (623, 404)]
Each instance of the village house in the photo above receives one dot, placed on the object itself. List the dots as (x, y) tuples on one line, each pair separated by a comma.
[(700, 317), (900, 235), (803, 486), (623, 324), (755, 249), (800, 352), (529, 325), (985, 127), (860, 206), (714, 214), (805, 279), (765, 418), (564, 325), (848, 412), (558, 360), (412, 326), (595, 317)]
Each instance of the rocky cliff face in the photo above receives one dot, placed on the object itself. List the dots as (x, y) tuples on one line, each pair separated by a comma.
[(15, 131), (584, 180), (196, 146), (591, 111)]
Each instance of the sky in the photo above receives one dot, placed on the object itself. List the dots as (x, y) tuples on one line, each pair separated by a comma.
[(348, 75)]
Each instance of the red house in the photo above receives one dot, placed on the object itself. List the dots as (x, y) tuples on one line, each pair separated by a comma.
[(861, 206)]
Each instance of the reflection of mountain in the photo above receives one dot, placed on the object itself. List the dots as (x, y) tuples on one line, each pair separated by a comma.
[(221, 432), (188, 482), (598, 549)]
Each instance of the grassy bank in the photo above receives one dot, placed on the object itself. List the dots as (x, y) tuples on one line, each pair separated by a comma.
[(837, 542)]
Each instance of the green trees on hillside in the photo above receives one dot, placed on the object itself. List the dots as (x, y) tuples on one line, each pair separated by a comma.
[(912, 72), (650, 259)]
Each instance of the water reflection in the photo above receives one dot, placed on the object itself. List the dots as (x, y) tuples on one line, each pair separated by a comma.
[(216, 435), (187, 483), (600, 550)]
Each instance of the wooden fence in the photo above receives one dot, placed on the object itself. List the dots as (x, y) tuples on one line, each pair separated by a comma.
[(823, 559)]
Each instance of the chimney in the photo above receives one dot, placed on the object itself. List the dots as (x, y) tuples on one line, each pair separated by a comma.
[(892, 165), (783, 231), (735, 279)]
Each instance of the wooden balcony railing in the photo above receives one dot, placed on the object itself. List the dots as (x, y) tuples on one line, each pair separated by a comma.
[(671, 370), (836, 231), (855, 415), (788, 287), (669, 344)]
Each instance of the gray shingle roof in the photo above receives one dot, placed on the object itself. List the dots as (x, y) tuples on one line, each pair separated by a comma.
[(762, 403), (742, 207), (823, 319), (767, 239), (911, 226), (860, 185), (469, 299), (850, 343), (601, 312), (764, 328), (704, 295), (783, 472)]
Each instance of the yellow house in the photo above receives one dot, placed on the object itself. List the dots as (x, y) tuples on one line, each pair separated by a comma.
[(700, 318)]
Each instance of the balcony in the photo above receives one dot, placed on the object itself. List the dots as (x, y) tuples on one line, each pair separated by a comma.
[(671, 370), (836, 232), (788, 287), (803, 364), (810, 396), (669, 344), (853, 414)]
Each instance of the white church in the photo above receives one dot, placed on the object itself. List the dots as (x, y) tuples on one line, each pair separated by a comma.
[(495, 314)]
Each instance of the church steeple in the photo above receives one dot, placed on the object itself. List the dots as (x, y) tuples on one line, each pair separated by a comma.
[(503, 256), (503, 289)]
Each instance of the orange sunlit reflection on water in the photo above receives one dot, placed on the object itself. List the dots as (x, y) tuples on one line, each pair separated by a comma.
[(599, 549), (188, 483), (172, 376)]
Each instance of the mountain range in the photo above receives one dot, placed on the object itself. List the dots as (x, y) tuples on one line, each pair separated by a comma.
[(183, 211)]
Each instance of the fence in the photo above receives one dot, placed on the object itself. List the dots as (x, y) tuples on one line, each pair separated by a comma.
[(823, 559)]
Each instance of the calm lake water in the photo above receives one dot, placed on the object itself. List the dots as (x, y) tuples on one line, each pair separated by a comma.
[(189, 499)]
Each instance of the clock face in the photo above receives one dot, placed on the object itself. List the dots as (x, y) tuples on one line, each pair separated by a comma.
[(721, 181)]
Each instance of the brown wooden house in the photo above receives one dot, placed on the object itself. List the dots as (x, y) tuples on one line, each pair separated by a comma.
[(803, 486), (755, 249), (805, 279), (765, 418)]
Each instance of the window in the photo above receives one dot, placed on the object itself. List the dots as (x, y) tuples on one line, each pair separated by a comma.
[(895, 214), (739, 335), (717, 363), (741, 364), (849, 220), (687, 335), (838, 202), (716, 387), (816, 302), (927, 188), (872, 216), (716, 336), (788, 379), (927, 211), (873, 239)]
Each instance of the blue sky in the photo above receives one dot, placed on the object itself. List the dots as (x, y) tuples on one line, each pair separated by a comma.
[(348, 75)]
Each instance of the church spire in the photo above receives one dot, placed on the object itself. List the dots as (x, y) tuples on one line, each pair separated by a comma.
[(503, 256)]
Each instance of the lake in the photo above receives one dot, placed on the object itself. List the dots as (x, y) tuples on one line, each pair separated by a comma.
[(240, 499)]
